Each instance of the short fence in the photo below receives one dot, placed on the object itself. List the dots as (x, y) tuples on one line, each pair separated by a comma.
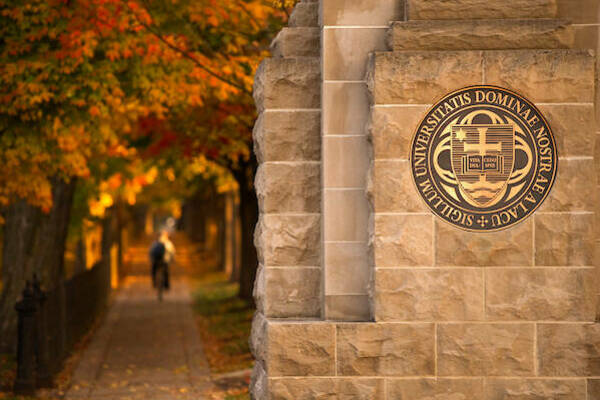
[(65, 315)]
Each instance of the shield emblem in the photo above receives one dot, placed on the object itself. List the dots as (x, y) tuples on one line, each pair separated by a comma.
[(482, 160)]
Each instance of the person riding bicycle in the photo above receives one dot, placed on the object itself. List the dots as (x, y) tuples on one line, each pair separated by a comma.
[(157, 255), (162, 251)]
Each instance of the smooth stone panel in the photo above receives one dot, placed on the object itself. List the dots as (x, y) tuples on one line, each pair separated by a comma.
[(345, 161), (480, 9), (292, 292), (569, 349), (510, 247), (394, 188), (543, 76), (288, 136), (346, 108), (326, 388), (288, 240), (301, 349), (540, 294), (301, 192), (564, 240), (282, 83), (346, 215), (435, 389), (350, 307), (429, 295), (488, 34), (421, 77), (392, 129), (535, 389), (361, 12), (347, 268), (403, 240), (485, 349), (385, 350), (573, 127)]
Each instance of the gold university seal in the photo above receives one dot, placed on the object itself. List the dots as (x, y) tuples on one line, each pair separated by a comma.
[(483, 158)]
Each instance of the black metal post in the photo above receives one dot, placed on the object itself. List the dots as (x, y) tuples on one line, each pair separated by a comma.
[(26, 307), (44, 377)]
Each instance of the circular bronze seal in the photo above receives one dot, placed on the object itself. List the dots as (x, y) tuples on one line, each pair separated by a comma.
[(483, 158)]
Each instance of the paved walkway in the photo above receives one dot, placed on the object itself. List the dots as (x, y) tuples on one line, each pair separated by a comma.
[(144, 349)]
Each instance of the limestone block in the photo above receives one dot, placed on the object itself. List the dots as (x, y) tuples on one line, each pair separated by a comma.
[(485, 349), (481, 34), (428, 295), (347, 268), (288, 188), (304, 14), (574, 187), (292, 292), (564, 240), (414, 77), (258, 382), (536, 389), (435, 389), (394, 188), (288, 240), (297, 42), (540, 294), (349, 307), (569, 349), (480, 9), (260, 289), (258, 337), (403, 240), (385, 350), (544, 76), (346, 108), (288, 136), (593, 389), (293, 83), (301, 349), (346, 51), (361, 12), (345, 160), (581, 11), (346, 215), (511, 247), (572, 126), (326, 388), (392, 129)]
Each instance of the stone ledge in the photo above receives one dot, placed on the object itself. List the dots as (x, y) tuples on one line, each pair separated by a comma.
[(480, 9), (297, 42)]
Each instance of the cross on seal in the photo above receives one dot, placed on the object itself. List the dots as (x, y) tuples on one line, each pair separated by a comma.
[(483, 147)]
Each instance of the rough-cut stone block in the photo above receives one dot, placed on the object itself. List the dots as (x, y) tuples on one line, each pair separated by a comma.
[(385, 350), (540, 294), (258, 382), (573, 189), (346, 51), (288, 83), (297, 42), (345, 161), (292, 292), (511, 247), (414, 77), (347, 268), (564, 240), (572, 126), (403, 240), (326, 388), (480, 9), (258, 337), (428, 295), (485, 349), (361, 12), (346, 108), (288, 240), (569, 349), (394, 188), (305, 14), (536, 389), (288, 136), (578, 12), (435, 389), (289, 188), (301, 349), (481, 34), (391, 130), (593, 389), (544, 76), (349, 307)]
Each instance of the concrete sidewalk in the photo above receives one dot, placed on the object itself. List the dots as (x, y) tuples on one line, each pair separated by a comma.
[(144, 349)]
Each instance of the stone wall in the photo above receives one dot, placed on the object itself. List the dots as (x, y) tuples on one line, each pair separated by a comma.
[(362, 293)]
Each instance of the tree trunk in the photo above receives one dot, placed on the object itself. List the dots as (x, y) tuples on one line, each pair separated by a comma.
[(34, 243), (248, 218)]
